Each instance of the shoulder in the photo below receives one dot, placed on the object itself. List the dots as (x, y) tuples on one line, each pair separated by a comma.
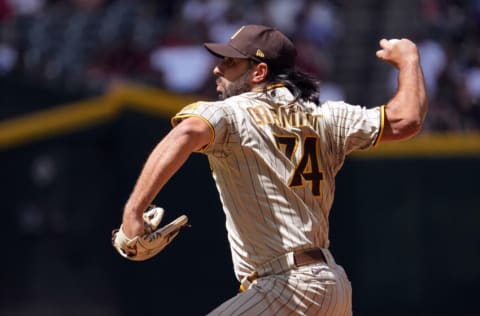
[(199, 104), (334, 104), (342, 107), (330, 107)]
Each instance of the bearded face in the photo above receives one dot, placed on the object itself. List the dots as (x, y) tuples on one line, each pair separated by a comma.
[(233, 75), (228, 89)]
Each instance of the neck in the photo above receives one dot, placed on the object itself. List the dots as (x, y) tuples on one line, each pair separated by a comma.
[(266, 86)]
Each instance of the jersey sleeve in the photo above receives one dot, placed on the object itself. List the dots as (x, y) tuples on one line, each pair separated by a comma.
[(214, 115), (353, 127)]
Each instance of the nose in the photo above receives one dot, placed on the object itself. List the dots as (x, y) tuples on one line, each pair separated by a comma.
[(217, 71)]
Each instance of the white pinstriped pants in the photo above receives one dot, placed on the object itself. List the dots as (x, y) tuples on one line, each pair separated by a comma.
[(316, 289)]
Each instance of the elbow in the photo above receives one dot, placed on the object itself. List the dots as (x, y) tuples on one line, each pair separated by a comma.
[(412, 127), (403, 125), (407, 128)]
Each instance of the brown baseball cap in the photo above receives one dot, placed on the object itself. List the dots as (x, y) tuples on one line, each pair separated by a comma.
[(260, 43)]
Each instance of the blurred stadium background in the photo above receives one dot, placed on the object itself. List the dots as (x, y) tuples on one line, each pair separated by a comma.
[(87, 88)]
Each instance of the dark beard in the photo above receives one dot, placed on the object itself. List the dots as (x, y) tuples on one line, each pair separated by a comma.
[(237, 87)]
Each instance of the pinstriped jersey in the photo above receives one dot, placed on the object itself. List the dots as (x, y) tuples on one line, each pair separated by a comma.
[(274, 163)]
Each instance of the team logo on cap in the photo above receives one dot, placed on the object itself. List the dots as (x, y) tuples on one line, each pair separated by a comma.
[(259, 53)]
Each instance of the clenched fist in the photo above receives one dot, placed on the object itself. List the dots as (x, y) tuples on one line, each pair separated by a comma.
[(398, 52)]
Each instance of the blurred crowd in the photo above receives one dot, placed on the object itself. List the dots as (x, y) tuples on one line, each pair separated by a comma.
[(91, 44), (449, 42)]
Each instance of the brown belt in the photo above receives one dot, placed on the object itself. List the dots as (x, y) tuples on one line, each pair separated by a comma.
[(309, 256), (300, 257)]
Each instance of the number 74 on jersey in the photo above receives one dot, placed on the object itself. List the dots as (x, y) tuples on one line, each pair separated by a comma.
[(307, 169)]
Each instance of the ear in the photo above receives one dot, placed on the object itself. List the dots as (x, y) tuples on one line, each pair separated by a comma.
[(259, 73)]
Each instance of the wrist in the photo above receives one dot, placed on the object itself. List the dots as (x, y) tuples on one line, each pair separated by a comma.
[(131, 214), (409, 61), (132, 208)]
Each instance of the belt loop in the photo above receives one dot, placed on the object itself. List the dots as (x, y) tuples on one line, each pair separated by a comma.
[(290, 260), (247, 281), (277, 265), (328, 256)]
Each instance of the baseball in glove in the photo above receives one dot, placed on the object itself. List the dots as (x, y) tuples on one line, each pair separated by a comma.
[(153, 240)]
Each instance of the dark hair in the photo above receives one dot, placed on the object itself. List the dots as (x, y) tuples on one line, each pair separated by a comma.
[(302, 85)]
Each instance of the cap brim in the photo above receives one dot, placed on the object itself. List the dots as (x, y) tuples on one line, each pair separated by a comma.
[(223, 50)]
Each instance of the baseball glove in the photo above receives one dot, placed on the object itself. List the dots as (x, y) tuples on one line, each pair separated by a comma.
[(152, 241)]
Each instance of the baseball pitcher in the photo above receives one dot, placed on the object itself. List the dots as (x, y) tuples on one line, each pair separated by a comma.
[(274, 152)]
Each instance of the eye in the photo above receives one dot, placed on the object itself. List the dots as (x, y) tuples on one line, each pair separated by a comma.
[(228, 62)]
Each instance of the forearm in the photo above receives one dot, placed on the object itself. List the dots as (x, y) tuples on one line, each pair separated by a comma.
[(406, 111), (167, 157)]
